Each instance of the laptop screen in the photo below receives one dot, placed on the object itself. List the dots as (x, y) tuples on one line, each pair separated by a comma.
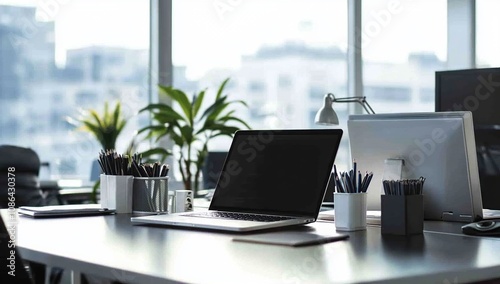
[(281, 172)]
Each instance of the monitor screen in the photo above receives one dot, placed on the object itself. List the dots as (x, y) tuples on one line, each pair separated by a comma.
[(437, 146), (477, 91)]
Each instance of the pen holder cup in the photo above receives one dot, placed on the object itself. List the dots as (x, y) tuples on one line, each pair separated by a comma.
[(116, 193), (350, 211), (402, 214), (151, 195)]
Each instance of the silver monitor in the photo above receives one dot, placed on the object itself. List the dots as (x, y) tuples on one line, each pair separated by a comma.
[(437, 146)]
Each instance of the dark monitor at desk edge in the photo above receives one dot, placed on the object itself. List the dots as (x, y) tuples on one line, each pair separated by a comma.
[(477, 91)]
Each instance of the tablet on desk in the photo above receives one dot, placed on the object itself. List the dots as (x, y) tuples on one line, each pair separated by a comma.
[(64, 210)]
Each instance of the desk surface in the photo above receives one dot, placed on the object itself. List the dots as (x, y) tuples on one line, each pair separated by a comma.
[(111, 247)]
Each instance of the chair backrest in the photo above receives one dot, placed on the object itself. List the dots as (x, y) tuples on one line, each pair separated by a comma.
[(212, 168), (23, 164), (95, 171)]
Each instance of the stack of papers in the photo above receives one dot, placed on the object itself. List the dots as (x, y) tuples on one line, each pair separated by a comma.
[(64, 210)]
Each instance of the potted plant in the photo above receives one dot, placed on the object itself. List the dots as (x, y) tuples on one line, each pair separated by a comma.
[(192, 127), (105, 127)]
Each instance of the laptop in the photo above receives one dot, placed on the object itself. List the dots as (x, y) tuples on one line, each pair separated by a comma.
[(270, 179)]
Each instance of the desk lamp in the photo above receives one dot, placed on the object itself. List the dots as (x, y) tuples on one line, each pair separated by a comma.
[(327, 116)]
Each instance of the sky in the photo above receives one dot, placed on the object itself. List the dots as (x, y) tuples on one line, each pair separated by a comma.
[(216, 33)]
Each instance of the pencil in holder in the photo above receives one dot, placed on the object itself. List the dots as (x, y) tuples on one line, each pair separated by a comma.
[(402, 207), (151, 195), (350, 199)]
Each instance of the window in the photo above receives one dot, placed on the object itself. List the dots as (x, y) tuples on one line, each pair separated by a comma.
[(317, 92), (55, 60), (60, 57), (388, 94), (404, 43), (487, 36), (284, 81), (243, 40), (256, 86), (277, 63)]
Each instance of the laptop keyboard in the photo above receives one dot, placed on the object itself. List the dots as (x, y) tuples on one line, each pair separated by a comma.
[(238, 216)]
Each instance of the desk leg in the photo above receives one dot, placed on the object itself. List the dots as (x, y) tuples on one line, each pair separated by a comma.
[(76, 277)]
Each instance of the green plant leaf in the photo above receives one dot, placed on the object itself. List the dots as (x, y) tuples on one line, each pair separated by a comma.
[(178, 140), (121, 125), (197, 103), (162, 152), (232, 118), (95, 130), (221, 88), (151, 128), (187, 133), (179, 97), (213, 107), (100, 123), (105, 117), (116, 115)]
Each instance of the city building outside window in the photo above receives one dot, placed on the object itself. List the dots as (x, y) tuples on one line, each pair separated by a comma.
[(58, 57), (404, 42)]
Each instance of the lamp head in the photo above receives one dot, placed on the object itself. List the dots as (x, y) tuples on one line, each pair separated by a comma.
[(326, 115)]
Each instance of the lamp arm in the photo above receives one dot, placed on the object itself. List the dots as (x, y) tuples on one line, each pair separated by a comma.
[(361, 100), (367, 106)]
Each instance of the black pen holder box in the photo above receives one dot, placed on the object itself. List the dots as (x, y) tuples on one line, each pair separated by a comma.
[(402, 214)]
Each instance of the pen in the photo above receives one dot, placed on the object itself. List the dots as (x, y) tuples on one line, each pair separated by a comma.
[(354, 172), (368, 180), (164, 170), (358, 189)]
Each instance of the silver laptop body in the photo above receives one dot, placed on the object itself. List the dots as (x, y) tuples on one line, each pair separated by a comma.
[(277, 174)]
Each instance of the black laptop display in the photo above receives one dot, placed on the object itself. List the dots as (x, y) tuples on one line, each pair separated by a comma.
[(276, 174)]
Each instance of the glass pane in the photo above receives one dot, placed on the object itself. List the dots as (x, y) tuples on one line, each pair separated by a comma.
[(404, 43), (487, 35), (282, 57), (58, 57)]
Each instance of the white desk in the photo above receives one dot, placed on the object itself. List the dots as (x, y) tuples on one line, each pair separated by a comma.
[(111, 247)]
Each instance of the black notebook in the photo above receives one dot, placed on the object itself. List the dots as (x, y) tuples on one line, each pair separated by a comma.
[(64, 210)]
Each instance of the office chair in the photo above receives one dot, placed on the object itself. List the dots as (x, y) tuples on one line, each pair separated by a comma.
[(25, 164), (211, 170)]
